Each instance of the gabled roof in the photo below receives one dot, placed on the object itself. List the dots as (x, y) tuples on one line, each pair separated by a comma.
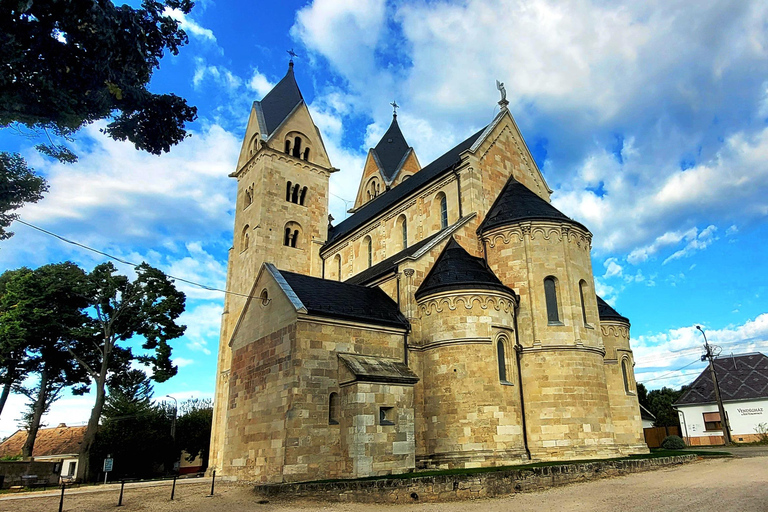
[(645, 414), (391, 151), (606, 312), (277, 105), (456, 269), (378, 369), (61, 440), (741, 377), (323, 297), (370, 210), (517, 202)]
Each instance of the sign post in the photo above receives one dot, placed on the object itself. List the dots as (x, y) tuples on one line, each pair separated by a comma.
[(108, 463)]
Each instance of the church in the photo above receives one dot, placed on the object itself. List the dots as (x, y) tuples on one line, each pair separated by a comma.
[(450, 321)]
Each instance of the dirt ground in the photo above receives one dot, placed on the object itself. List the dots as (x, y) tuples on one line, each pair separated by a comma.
[(739, 484)]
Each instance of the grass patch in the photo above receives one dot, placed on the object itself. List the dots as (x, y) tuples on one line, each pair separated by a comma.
[(655, 454)]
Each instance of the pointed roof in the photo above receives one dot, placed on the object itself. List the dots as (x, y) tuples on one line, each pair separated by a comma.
[(456, 269), (741, 377), (278, 104), (606, 312), (391, 150), (517, 202)]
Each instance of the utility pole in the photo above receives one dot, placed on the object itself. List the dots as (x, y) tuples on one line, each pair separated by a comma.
[(716, 385)]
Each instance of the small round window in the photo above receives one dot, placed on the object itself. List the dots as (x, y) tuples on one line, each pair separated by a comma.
[(264, 297)]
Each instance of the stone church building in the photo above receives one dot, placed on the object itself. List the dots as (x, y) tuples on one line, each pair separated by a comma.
[(450, 321)]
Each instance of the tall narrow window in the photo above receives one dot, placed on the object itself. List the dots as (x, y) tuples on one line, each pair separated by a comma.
[(295, 238), (405, 234), (295, 194), (245, 238), (287, 238), (303, 196), (502, 361), (297, 147), (288, 189), (369, 249), (443, 211), (288, 147), (306, 154), (292, 235), (338, 266), (248, 197), (550, 291), (333, 409), (625, 374), (582, 286)]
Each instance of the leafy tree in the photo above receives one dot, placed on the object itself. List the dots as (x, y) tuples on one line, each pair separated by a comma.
[(67, 64), (145, 308), (660, 404), (13, 343), (48, 304), (130, 394), (18, 185), (193, 429), (642, 394)]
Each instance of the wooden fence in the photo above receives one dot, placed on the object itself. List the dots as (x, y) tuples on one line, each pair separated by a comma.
[(655, 435)]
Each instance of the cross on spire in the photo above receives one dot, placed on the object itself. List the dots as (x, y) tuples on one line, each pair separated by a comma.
[(292, 54), (395, 106)]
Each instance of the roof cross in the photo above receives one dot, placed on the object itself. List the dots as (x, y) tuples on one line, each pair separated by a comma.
[(292, 54), (395, 106)]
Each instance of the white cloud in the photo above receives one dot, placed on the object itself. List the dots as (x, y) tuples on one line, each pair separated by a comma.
[(260, 84), (190, 26), (218, 74), (612, 268), (203, 323), (181, 362)]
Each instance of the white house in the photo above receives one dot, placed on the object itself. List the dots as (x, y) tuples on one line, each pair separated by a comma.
[(60, 444), (744, 389)]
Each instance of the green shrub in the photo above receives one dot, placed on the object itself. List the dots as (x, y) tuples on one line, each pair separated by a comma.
[(673, 443)]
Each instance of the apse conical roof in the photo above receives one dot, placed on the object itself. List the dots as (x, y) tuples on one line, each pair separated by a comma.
[(280, 101), (606, 312), (391, 149)]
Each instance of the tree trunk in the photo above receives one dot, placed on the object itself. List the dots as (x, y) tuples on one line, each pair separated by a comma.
[(37, 415), (5, 393), (84, 459)]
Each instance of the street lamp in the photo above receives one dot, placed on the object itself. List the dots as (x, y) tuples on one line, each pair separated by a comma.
[(723, 418)]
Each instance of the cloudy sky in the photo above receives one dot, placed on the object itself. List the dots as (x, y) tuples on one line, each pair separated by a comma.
[(648, 119)]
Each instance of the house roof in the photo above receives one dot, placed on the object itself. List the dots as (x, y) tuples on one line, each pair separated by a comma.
[(391, 150), (741, 377), (378, 369), (456, 269), (61, 440), (645, 414), (606, 312), (517, 202), (323, 297), (390, 197), (277, 105)]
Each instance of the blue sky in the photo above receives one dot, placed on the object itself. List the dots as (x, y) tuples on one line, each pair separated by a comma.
[(648, 120)]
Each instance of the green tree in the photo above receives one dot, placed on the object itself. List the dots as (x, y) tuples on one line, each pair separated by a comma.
[(48, 303), (14, 365), (18, 185), (660, 404), (642, 395), (129, 393), (193, 428), (146, 308)]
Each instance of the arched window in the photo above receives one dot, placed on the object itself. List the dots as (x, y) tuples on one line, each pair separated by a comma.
[(582, 287), (254, 145), (244, 239), (306, 154), (288, 146), (264, 297), (295, 194), (288, 190), (550, 292), (625, 374), (302, 196), (368, 244), (287, 237), (292, 235), (443, 210), (295, 238), (337, 262), (248, 197), (333, 409), (502, 360), (402, 224), (297, 147)]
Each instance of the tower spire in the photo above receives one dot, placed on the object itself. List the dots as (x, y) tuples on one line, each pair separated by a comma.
[(395, 106)]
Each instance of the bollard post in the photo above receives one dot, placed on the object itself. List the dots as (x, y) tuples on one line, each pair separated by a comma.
[(120, 501), (213, 481), (173, 489), (61, 501)]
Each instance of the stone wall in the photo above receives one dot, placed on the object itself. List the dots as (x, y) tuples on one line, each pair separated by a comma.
[(462, 487), (12, 472)]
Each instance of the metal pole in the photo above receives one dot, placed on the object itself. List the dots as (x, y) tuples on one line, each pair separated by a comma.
[(173, 421), (213, 481), (120, 501), (61, 501), (723, 418), (173, 489)]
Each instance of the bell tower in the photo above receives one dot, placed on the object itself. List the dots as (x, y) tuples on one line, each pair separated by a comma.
[(281, 211)]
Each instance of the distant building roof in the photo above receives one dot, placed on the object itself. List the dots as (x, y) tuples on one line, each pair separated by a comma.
[(61, 440), (391, 150), (606, 312), (280, 101), (456, 269), (741, 377), (382, 202), (645, 414), (324, 297), (517, 202)]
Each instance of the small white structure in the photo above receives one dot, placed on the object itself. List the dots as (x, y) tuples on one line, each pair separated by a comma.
[(647, 417), (743, 383)]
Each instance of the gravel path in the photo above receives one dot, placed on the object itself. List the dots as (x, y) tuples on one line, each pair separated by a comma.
[(718, 485)]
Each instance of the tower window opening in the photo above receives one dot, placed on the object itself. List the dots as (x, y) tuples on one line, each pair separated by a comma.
[(338, 266), (302, 196), (288, 189), (306, 154), (287, 238), (297, 147), (288, 147), (295, 238), (550, 293), (295, 194), (244, 242), (333, 409), (248, 196)]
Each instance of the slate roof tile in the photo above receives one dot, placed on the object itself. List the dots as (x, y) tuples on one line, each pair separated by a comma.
[(741, 377), (280, 101), (606, 312), (391, 149)]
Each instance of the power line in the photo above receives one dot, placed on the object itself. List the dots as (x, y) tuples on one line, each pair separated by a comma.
[(126, 262), (673, 371)]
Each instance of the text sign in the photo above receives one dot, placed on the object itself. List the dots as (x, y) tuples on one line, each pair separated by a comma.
[(108, 463)]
